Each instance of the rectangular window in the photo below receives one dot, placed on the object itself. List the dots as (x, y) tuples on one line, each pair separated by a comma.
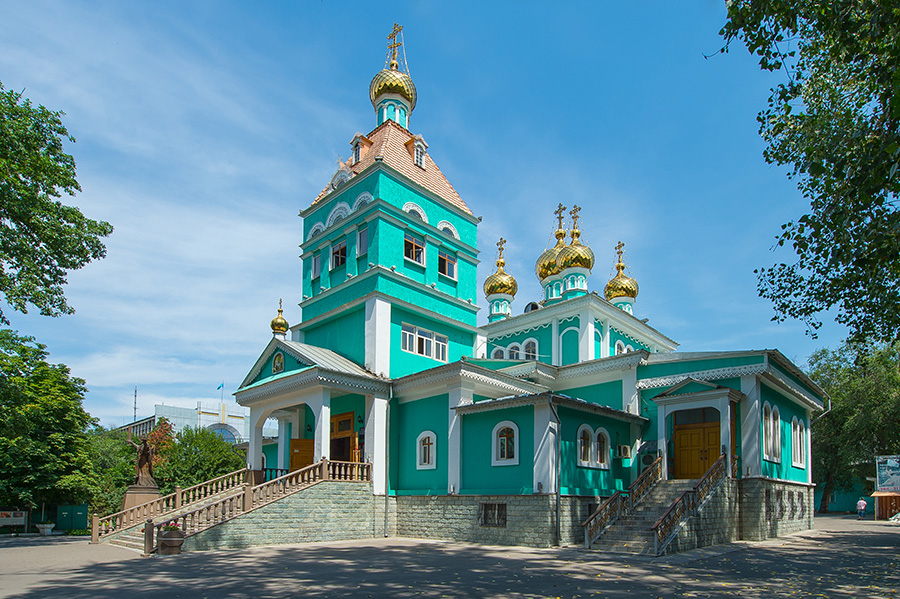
[(447, 264), (423, 342), (419, 155), (362, 242), (316, 266), (338, 255), (355, 153), (492, 514), (413, 249)]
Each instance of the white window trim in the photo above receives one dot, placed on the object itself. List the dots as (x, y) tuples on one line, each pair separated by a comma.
[(620, 348), (495, 445), (317, 228), (514, 347), (455, 260), (798, 443), (424, 245), (332, 250), (776, 434), (771, 430), (314, 271), (537, 346), (444, 224), (433, 464), (341, 211), (502, 352), (413, 206), (363, 199), (592, 457), (415, 343), (358, 245), (606, 464)]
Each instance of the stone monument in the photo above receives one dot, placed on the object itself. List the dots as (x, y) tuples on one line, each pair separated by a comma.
[(144, 488)]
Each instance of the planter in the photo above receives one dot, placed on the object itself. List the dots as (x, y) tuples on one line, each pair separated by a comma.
[(170, 542), (45, 529)]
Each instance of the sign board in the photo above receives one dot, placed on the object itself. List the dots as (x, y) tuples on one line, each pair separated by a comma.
[(12, 518), (887, 473)]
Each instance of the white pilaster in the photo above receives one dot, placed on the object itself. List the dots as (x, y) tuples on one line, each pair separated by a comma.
[(321, 407), (545, 446), (750, 426), (661, 445), (298, 421), (631, 401), (555, 358), (586, 336), (457, 397), (254, 451), (480, 346), (378, 336), (604, 341), (283, 442), (376, 441), (725, 432)]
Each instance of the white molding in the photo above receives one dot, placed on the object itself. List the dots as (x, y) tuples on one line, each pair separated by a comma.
[(545, 449), (413, 206), (448, 225), (316, 230), (716, 373), (495, 446), (361, 200), (433, 464), (340, 211), (376, 450), (517, 333), (378, 336)]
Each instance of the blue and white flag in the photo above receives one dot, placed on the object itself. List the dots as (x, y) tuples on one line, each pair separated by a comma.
[(222, 384)]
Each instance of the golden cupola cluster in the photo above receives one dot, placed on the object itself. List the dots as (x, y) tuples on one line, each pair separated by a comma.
[(621, 285), (279, 324), (500, 281), (392, 80), (558, 258)]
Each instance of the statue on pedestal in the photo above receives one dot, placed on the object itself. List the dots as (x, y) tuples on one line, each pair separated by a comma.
[(144, 463)]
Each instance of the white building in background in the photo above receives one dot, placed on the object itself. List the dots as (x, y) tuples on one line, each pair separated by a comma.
[(228, 420)]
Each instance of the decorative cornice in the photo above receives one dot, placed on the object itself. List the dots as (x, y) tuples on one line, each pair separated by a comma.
[(789, 385), (312, 377), (620, 362), (717, 373), (464, 372), (521, 332), (502, 403)]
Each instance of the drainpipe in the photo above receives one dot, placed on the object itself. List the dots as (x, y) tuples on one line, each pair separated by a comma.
[(823, 413), (387, 457), (558, 468)]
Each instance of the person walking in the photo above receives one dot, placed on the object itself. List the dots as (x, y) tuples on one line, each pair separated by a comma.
[(861, 509)]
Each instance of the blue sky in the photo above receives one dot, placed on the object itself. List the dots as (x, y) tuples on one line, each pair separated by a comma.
[(203, 129)]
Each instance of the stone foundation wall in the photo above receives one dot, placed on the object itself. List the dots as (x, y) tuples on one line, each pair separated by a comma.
[(718, 521), (774, 508), (573, 511), (328, 511)]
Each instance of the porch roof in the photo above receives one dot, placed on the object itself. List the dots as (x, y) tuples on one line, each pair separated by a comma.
[(488, 405)]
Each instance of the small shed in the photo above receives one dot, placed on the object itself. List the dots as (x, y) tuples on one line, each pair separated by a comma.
[(887, 503)]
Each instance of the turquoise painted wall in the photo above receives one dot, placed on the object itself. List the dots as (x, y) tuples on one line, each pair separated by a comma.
[(344, 335), (270, 453), (796, 381), (583, 480), (479, 477), (785, 469), (686, 366), (460, 343), (291, 365), (543, 335), (605, 394), (616, 335), (568, 346), (414, 418)]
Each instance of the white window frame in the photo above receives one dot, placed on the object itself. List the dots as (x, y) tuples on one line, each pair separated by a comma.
[(776, 434), (420, 463), (356, 152), (448, 228), (592, 447), (620, 347), (449, 259), (514, 351), (419, 155), (502, 355), (495, 445), (433, 345), (362, 245), (604, 463), (316, 267), (335, 254), (526, 353), (798, 443), (413, 207), (416, 242)]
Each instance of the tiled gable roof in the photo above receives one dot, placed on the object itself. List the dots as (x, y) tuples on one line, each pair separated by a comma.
[(390, 141)]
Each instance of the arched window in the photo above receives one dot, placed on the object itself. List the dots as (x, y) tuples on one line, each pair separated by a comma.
[(586, 446), (506, 444), (776, 434), (767, 431), (620, 347), (498, 354), (798, 443), (629, 348), (513, 352), (602, 448), (426, 448), (531, 350)]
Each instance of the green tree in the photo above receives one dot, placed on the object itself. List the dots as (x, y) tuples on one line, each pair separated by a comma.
[(197, 455), (44, 454), (113, 460), (834, 122), (864, 386), (41, 239)]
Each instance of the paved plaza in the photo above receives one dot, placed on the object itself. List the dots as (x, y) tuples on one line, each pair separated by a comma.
[(841, 558)]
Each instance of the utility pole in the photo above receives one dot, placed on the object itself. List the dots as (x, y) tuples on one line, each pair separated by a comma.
[(135, 404)]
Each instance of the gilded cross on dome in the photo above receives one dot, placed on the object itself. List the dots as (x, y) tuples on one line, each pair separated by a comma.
[(559, 212), (392, 47), (574, 215), (500, 245), (619, 247)]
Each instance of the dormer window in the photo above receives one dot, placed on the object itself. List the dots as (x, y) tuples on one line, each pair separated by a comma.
[(356, 152), (419, 155)]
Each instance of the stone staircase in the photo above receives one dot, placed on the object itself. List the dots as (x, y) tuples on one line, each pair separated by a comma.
[(131, 539), (633, 533)]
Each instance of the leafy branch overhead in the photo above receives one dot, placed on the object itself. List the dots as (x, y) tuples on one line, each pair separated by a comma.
[(41, 238), (834, 122)]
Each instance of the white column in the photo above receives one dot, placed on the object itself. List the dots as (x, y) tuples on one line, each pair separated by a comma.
[(376, 441), (586, 336), (456, 397), (480, 350), (750, 426), (631, 401), (298, 421), (604, 341), (545, 444), (661, 444), (321, 407), (725, 432), (283, 442), (555, 358), (378, 336), (254, 451)]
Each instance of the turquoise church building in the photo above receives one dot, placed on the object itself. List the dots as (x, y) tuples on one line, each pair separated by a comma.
[(478, 427)]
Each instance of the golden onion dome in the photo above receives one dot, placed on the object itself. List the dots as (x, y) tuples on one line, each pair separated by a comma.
[(547, 263), (279, 324), (576, 254), (501, 281), (393, 80), (621, 285)]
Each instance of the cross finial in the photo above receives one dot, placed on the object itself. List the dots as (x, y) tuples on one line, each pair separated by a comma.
[(574, 215), (619, 247), (500, 245), (394, 44), (279, 303), (559, 212)]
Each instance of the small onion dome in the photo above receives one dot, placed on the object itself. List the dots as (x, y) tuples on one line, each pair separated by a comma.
[(576, 254), (621, 285), (547, 263), (393, 80), (279, 324), (501, 281)]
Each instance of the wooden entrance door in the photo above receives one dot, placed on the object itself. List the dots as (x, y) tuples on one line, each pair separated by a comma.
[(344, 444), (301, 453), (696, 448)]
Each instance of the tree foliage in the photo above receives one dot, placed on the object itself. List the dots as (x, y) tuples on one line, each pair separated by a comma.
[(41, 239), (44, 454), (864, 386), (197, 455), (113, 468), (834, 122), (161, 439)]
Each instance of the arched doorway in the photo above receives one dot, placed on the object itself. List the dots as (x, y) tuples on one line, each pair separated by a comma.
[(696, 441)]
